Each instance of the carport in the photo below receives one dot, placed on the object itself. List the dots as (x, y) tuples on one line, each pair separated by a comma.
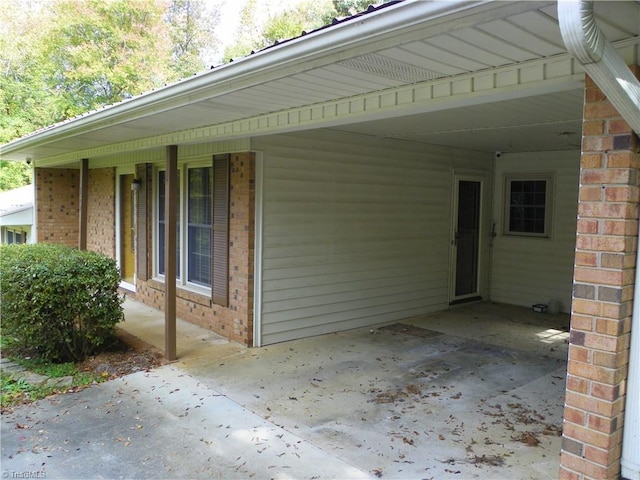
[(474, 392)]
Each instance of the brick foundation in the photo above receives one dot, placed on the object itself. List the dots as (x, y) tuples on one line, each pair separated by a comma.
[(606, 248)]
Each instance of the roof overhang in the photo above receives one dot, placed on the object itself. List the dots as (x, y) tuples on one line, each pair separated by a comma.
[(432, 64)]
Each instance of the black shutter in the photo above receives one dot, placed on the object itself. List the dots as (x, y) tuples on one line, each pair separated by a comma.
[(220, 240)]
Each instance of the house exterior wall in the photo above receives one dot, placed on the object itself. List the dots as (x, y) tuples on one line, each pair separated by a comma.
[(234, 322), (547, 261), (605, 259), (355, 231), (101, 235), (56, 204)]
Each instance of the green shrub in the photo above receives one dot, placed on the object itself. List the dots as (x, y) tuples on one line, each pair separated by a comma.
[(58, 303)]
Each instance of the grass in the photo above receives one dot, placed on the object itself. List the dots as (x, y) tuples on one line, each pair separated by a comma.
[(55, 370), (15, 390)]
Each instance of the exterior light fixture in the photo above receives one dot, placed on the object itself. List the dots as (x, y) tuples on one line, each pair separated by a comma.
[(136, 184)]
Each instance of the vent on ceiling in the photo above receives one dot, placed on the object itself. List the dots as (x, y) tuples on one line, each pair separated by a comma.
[(392, 69)]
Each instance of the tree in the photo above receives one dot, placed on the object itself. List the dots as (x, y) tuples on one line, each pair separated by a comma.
[(304, 17), (254, 35), (291, 23), (346, 8), (60, 59), (100, 53), (192, 31), (25, 101), (23, 97), (248, 35), (14, 175)]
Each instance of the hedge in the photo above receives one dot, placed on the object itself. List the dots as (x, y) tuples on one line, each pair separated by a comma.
[(58, 303)]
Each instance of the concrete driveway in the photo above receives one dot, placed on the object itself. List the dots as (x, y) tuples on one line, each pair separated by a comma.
[(474, 392)]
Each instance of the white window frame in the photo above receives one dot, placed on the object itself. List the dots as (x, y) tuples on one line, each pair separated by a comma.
[(547, 177), (182, 236)]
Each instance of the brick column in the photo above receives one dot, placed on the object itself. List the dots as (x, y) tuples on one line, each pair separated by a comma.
[(56, 204), (606, 247)]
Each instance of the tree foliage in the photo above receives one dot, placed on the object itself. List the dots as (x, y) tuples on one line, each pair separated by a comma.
[(253, 35), (14, 175), (103, 52), (346, 8), (25, 99), (62, 58), (303, 17), (192, 32)]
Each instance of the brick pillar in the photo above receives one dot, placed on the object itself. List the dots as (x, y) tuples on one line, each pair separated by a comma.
[(606, 247), (56, 204)]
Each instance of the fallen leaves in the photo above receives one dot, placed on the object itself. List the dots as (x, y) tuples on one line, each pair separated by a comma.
[(492, 460), (391, 396), (527, 438), (412, 389), (126, 442)]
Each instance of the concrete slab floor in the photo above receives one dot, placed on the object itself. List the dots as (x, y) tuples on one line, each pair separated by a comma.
[(472, 392), (162, 424)]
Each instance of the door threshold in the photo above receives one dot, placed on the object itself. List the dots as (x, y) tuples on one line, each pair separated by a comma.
[(466, 300)]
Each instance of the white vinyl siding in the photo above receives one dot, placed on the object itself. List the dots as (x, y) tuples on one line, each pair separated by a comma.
[(355, 231), (528, 270)]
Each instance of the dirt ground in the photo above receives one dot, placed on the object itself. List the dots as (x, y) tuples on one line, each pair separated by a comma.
[(130, 356)]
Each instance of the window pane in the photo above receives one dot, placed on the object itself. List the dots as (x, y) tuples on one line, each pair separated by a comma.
[(199, 255), (161, 224), (527, 206), (199, 202)]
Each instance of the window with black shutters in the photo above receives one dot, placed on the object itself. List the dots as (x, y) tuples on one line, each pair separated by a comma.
[(202, 227)]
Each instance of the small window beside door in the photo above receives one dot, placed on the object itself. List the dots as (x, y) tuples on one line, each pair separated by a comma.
[(528, 205)]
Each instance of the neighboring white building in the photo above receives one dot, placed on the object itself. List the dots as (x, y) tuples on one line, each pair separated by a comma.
[(16, 215)]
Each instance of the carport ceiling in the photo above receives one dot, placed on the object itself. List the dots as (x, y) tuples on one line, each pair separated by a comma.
[(538, 123)]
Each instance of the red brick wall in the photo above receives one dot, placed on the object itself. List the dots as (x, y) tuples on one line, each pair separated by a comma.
[(57, 198), (101, 212), (606, 248), (234, 322)]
